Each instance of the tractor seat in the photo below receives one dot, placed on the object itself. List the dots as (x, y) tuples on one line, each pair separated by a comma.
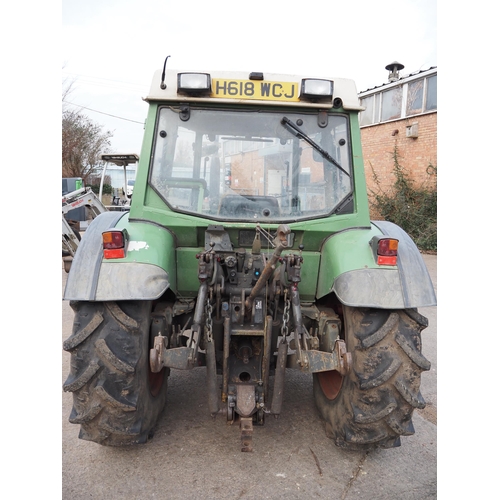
[(249, 206)]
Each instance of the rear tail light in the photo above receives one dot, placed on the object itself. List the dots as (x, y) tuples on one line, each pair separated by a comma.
[(385, 250), (114, 243)]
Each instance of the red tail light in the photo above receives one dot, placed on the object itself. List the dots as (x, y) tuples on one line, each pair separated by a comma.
[(113, 243), (385, 250)]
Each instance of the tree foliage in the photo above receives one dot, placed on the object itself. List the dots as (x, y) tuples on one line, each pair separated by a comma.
[(412, 208), (106, 188), (83, 142)]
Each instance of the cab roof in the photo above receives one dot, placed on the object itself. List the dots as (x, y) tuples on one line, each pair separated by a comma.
[(343, 88)]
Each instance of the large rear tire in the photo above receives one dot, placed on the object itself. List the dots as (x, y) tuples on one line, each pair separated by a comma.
[(372, 406), (116, 398)]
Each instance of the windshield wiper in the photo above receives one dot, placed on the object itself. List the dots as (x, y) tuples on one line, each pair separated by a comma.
[(287, 123)]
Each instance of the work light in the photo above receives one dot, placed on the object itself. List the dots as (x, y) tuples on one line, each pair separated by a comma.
[(193, 83), (314, 89)]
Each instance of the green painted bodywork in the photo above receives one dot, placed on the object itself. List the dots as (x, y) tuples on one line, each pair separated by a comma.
[(344, 252), (152, 221), (188, 271), (189, 230), (149, 244)]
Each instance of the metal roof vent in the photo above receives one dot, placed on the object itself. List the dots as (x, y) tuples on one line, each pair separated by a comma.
[(394, 69)]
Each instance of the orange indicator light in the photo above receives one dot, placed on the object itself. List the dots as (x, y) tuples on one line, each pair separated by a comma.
[(113, 239), (388, 247), (113, 243)]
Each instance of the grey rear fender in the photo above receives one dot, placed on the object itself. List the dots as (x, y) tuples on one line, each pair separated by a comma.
[(93, 279), (359, 282)]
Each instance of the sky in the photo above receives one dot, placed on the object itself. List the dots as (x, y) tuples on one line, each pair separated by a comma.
[(111, 48)]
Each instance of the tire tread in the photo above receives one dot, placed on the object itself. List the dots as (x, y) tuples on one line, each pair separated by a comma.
[(377, 399), (109, 374)]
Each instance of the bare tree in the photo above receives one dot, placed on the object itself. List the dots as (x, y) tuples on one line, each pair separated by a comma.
[(83, 142)]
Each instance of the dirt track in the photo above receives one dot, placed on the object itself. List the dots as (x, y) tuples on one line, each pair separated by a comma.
[(192, 456)]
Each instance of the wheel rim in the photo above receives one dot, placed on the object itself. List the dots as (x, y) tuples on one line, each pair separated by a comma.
[(330, 383)]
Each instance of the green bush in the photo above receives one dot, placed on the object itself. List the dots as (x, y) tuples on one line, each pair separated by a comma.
[(106, 188), (413, 209)]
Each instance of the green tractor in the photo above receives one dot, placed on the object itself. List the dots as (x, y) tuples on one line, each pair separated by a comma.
[(248, 250)]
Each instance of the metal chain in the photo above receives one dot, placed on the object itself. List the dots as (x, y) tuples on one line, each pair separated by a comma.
[(286, 316), (208, 316)]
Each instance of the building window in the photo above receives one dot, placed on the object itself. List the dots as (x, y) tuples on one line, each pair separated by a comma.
[(366, 117), (431, 98), (415, 102), (372, 112), (408, 99), (415, 97), (391, 104)]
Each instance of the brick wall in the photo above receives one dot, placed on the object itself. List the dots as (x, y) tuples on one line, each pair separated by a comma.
[(415, 155)]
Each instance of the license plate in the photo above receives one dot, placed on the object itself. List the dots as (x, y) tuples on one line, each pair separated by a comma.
[(253, 89)]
